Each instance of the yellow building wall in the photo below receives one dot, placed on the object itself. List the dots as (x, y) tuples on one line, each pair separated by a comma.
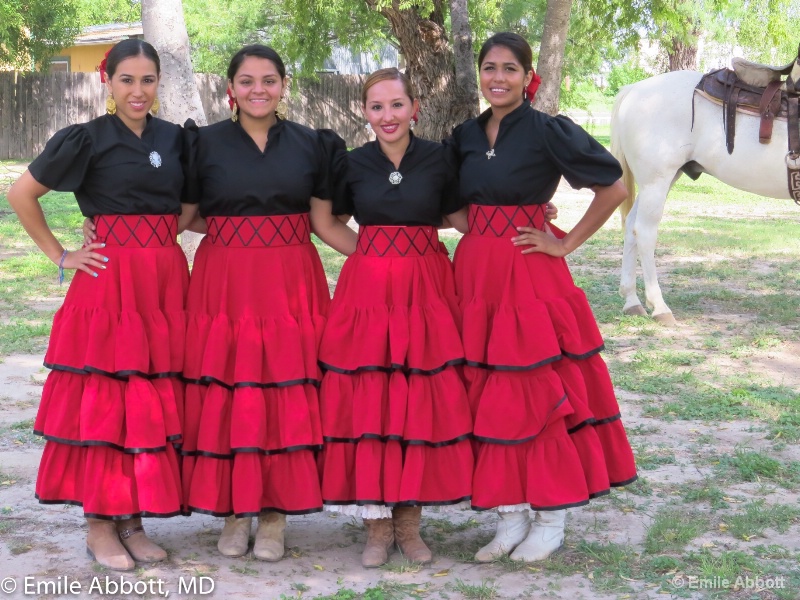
[(85, 59)]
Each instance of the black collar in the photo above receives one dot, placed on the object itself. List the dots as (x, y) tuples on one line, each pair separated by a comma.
[(512, 117), (375, 146)]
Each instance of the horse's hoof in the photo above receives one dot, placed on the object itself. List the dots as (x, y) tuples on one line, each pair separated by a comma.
[(665, 319), (636, 309)]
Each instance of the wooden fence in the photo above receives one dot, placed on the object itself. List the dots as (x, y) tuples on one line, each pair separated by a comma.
[(331, 102), (34, 106)]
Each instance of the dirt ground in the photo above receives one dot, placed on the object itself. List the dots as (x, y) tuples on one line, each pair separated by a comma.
[(42, 554), (46, 543)]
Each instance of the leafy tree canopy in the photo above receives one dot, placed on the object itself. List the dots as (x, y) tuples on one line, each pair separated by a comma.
[(93, 12), (31, 31), (602, 32)]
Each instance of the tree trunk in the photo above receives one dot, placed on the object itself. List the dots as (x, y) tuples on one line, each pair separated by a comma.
[(682, 55), (461, 34), (429, 64), (164, 27), (551, 55)]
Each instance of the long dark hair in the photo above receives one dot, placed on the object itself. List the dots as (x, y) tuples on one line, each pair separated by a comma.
[(260, 51), (517, 44), (128, 48)]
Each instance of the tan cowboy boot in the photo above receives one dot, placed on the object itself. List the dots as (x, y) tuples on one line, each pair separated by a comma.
[(546, 536), (103, 545), (512, 528), (269, 536), (380, 539), (406, 534), (235, 536), (136, 542)]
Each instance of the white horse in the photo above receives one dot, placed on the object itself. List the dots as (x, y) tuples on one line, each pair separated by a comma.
[(656, 139)]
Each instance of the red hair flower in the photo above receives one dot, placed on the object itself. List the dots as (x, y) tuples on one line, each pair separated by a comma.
[(530, 91), (102, 67), (231, 99)]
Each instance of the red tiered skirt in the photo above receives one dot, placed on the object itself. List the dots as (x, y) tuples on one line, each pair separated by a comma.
[(546, 418), (395, 414), (257, 305), (111, 406)]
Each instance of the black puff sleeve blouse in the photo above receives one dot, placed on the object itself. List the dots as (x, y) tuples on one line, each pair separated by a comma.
[(531, 153), (229, 175), (111, 170), (419, 192)]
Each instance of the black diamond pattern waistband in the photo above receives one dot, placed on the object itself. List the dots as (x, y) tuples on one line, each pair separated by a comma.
[(374, 240), (244, 232), (502, 221), (144, 231)]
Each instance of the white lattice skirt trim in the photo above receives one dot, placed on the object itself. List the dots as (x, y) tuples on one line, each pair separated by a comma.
[(370, 511), (513, 507)]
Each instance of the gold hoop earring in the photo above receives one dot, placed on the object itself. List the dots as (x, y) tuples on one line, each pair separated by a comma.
[(235, 111), (282, 110), (111, 105), (155, 107)]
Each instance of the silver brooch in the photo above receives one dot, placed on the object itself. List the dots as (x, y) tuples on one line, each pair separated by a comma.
[(155, 159), (490, 154), (395, 178)]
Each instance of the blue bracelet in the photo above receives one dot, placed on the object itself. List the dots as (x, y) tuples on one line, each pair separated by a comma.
[(61, 267)]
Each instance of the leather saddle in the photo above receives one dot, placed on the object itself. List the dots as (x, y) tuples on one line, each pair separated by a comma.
[(739, 89), (758, 75), (759, 89)]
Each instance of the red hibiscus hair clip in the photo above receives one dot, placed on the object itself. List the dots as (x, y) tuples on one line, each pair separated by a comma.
[(102, 67), (530, 91)]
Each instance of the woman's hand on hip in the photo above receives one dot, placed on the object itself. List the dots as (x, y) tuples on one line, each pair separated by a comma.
[(86, 259), (539, 241)]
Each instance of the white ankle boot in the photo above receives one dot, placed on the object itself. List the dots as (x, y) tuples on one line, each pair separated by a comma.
[(546, 536), (511, 530)]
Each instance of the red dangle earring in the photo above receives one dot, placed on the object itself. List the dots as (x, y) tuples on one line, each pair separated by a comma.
[(414, 119)]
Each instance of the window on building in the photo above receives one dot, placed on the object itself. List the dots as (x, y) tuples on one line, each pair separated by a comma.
[(59, 64)]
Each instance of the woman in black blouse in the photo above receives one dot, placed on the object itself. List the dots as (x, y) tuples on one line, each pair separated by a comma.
[(395, 415), (546, 418), (110, 407), (257, 305)]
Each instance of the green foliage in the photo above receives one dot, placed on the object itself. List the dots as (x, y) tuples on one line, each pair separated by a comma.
[(109, 11), (623, 74), (235, 24), (312, 26), (31, 31), (768, 29)]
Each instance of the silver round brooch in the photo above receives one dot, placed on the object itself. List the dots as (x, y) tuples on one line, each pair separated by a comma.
[(155, 159), (395, 178)]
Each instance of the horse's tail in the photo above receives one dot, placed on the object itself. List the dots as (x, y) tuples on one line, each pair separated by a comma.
[(619, 154)]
